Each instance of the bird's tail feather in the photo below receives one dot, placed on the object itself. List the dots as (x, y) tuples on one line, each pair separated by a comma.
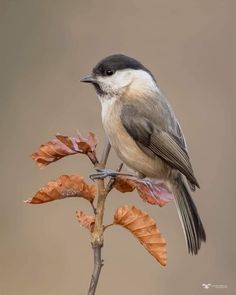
[(189, 217)]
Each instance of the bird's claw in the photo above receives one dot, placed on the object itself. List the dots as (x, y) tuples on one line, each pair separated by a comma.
[(101, 174), (104, 173)]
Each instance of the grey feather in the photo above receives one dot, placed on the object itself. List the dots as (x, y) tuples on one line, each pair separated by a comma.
[(181, 136), (157, 142), (190, 220)]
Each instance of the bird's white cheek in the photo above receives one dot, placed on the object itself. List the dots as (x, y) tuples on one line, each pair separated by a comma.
[(115, 82), (108, 84), (122, 79)]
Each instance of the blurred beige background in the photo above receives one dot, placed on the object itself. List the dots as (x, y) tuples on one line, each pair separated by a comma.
[(45, 47)]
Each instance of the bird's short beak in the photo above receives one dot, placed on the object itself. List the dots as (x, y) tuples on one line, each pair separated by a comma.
[(89, 79)]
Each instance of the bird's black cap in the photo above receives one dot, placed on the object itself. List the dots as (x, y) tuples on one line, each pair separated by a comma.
[(117, 62)]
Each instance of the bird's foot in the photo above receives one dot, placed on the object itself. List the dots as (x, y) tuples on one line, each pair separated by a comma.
[(104, 173), (158, 189)]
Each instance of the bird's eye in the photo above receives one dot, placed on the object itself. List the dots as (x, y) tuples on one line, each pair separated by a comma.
[(109, 72)]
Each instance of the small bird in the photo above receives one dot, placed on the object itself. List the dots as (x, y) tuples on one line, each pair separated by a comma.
[(145, 134)]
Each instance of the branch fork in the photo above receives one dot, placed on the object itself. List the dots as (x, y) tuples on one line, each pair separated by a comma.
[(138, 222)]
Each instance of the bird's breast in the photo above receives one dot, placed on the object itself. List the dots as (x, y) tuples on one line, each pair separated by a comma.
[(125, 146)]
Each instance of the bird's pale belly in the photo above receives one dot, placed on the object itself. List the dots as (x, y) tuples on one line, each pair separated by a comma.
[(129, 152)]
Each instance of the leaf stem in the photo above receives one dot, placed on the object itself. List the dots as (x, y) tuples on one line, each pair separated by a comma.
[(97, 235)]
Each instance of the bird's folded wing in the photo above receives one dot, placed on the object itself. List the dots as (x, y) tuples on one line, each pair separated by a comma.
[(156, 142)]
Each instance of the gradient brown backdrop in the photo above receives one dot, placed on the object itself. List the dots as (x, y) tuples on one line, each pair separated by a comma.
[(45, 47)]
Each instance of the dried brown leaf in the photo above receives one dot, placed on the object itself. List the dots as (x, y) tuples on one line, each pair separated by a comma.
[(124, 184), (153, 194), (66, 186), (144, 228), (63, 146), (85, 220)]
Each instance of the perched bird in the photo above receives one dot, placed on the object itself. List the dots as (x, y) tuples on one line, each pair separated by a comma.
[(145, 134)]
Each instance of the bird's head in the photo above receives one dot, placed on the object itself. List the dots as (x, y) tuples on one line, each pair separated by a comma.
[(116, 74)]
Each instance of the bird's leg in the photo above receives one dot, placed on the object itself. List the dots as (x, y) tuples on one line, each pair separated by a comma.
[(141, 178), (148, 184), (157, 188), (103, 173)]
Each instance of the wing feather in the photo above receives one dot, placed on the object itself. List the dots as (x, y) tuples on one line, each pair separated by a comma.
[(156, 142)]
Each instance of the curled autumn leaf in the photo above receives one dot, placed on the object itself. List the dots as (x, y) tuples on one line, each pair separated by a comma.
[(151, 191), (144, 228), (63, 146), (85, 220), (66, 186)]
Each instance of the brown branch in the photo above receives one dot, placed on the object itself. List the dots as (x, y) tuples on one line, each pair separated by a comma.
[(105, 154), (98, 263), (112, 180), (97, 235), (92, 157)]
